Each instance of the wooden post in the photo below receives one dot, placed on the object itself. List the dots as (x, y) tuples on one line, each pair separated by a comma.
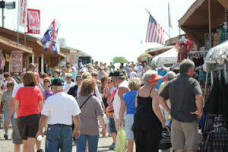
[(209, 20), (42, 63), (33, 58)]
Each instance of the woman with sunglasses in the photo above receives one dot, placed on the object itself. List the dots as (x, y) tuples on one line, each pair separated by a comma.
[(47, 89)]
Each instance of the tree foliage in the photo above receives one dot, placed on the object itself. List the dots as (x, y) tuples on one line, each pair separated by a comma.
[(119, 59)]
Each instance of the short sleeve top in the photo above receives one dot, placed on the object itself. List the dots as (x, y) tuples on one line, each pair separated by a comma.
[(28, 98)]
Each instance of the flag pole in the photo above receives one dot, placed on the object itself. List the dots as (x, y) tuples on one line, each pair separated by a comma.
[(18, 21), (167, 34)]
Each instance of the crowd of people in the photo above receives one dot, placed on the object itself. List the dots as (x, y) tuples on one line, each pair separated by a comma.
[(75, 105)]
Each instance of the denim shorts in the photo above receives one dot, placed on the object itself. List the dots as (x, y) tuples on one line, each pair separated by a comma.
[(129, 120)]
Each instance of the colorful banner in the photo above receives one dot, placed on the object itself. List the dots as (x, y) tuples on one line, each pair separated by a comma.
[(33, 21), (22, 13), (16, 62)]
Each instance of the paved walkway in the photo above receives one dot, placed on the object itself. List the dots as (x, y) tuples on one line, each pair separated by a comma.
[(7, 145)]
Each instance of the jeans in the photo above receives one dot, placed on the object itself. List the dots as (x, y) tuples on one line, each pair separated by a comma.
[(92, 141), (59, 137), (5, 116)]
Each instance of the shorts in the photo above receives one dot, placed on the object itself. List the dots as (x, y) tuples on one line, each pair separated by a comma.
[(112, 126), (16, 135), (28, 126), (184, 135), (5, 117), (129, 120)]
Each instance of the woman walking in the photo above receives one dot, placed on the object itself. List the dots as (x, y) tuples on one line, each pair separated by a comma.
[(91, 112), (129, 106), (28, 102), (148, 121)]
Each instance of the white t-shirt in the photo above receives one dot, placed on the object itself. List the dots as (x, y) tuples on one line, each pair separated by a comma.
[(60, 108), (133, 74), (117, 100), (15, 88), (68, 86)]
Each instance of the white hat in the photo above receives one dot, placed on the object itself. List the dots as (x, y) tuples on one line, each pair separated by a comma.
[(68, 75)]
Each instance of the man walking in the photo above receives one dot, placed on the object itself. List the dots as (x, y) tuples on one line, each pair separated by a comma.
[(186, 100), (58, 112)]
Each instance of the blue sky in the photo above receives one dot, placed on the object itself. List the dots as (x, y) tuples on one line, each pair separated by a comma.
[(105, 28)]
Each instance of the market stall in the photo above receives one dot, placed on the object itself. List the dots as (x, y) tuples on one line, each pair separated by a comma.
[(167, 58)]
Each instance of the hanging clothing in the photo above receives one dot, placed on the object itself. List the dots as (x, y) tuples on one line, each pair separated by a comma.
[(217, 139)]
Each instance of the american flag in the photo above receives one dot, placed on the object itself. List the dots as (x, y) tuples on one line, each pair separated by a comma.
[(155, 32), (50, 38)]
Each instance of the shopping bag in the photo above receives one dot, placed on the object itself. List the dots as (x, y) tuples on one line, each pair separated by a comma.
[(165, 142), (121, 142)]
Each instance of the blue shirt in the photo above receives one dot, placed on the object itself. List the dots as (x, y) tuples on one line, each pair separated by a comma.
[(129, 99), (161, 73)]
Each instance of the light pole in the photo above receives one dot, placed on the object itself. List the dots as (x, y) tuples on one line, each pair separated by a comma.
[(7, 5)]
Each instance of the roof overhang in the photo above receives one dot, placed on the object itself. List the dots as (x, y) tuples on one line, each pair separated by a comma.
[(224, 3), (9, 45), (157, 51), (30, 41)]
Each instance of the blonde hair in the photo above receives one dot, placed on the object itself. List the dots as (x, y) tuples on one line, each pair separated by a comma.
[(134, 84), (87, 87), (86, 75)]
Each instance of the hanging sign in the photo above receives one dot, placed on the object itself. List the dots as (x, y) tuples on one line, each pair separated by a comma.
[(16, 62), (33, 21)]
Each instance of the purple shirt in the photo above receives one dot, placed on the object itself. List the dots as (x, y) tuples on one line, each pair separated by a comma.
[(47, 94)]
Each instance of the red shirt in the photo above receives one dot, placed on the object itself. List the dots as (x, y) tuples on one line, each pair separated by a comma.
[(29, 98)]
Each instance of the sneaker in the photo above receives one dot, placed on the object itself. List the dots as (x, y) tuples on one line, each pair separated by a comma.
[(6, 136), (40, 150), (112, 147)]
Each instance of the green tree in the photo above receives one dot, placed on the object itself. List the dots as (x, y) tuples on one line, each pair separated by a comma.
[(119, 59)]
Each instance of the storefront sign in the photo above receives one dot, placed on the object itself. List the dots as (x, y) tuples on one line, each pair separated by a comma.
[(16, 62), (33, 21)]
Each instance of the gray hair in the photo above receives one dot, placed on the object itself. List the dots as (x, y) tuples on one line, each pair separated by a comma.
[(148, 75), (186, 65), (170, 75)]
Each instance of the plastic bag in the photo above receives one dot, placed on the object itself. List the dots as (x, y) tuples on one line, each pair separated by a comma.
[(121, 142)]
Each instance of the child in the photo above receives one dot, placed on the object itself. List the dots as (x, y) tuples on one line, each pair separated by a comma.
[(6, 101)]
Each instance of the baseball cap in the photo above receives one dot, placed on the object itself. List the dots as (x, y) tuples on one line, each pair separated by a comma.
[(57, 82)]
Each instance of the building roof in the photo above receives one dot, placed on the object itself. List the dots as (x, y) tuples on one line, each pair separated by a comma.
[(195, 21)]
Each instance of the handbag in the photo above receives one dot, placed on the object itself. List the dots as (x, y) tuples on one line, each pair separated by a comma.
[(165, 142)]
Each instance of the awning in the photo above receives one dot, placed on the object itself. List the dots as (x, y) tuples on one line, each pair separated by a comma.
[(195, 21), (157, 51), (9, 45)]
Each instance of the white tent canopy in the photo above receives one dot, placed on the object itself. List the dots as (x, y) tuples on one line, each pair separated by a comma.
[(216, 57), (166, 58)]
